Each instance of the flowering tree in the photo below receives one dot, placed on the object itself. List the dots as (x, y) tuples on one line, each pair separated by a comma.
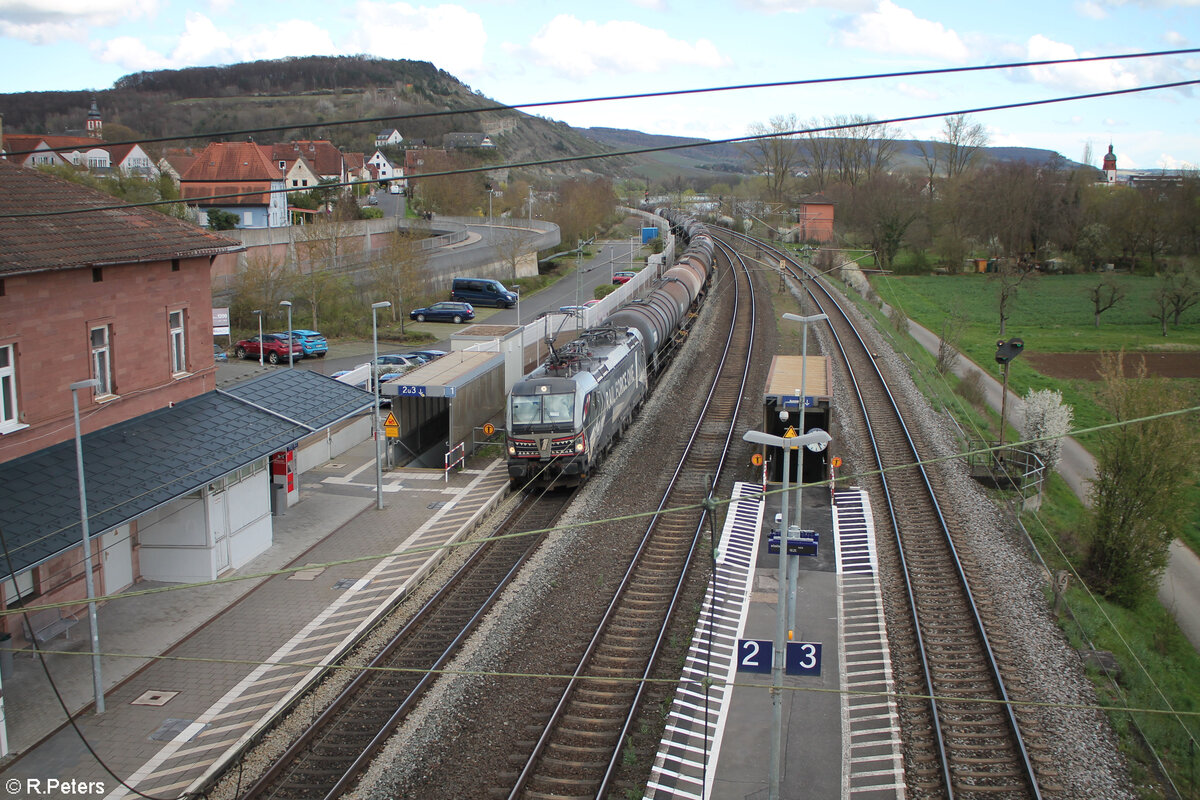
[(1047, 420)]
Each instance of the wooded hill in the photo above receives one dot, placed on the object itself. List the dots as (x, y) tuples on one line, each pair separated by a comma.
[(303, 95)]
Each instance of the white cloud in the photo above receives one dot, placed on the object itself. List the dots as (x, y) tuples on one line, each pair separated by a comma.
[(576, 48), (449, 36), (1093, 76), (46, 21), (1091, 10), (131, 53), (1166, 161), (1175, 39), (892, 29), (797, 6), (202, 43), (917, 92)]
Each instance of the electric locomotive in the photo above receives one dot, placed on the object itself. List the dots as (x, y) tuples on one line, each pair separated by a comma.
[(563, 418)]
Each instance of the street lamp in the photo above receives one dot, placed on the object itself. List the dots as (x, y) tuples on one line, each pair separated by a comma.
[(794, 575), (287, 303), (258, 313), (787, 444), (97, 683), (375, 417)]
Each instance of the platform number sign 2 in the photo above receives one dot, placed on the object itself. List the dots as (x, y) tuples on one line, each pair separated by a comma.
[(754, 655)]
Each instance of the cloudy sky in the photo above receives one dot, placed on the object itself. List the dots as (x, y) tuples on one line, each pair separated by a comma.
[(523, 51)]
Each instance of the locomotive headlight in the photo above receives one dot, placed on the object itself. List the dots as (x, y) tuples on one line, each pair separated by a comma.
[(580, 445), (512, 451)]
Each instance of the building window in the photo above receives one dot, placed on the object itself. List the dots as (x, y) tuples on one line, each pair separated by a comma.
[(102, 359), (97, 274), (283, 165), (178, 350), (174, 265), (9, 413)]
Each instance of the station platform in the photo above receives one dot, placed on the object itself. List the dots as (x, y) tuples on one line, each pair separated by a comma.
[(840, 733), (189, 673)]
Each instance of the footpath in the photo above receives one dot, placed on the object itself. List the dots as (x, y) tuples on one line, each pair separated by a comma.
[(1179, 591)]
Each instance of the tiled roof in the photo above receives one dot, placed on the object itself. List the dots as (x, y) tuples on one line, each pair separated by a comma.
[(232, 161), (137, 465), (321, 154), (115, 236)]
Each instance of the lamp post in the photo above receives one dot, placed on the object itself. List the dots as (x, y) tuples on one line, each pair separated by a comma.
[(287, 303), (777, 662), (97, 682), (375, 417), (517, 291), (794, 573), (258, 313)]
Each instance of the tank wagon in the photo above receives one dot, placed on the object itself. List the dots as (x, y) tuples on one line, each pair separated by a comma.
[(565, 416)]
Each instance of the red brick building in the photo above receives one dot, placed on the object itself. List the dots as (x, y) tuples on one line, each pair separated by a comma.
[(122, 295)]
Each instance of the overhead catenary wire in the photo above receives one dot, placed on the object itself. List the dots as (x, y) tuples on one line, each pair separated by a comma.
[(656, 95)]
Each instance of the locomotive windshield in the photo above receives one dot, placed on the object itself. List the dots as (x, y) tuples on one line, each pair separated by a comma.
[(545, 408)]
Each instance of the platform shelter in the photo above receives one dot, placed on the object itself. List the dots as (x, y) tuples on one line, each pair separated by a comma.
[(781, 412)]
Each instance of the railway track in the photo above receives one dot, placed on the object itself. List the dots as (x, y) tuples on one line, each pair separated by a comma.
[(327, 758), (962, 735), (578, 751)]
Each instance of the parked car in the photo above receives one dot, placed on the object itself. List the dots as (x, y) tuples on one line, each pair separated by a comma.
[(445, 311), (427, 355), (397, 362), (219, 353), (573, 310), (623, 277), (274, 348), (483, 291), (312, 342), (372, 200)]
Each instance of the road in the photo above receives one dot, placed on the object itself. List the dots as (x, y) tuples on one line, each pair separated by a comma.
[(1179, 591)]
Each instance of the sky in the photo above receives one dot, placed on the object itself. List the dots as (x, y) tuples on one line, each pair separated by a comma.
[(527, 51)]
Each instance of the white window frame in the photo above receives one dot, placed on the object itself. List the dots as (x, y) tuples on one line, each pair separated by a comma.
[(22, 587), (10, 409), (102, 358), (177, 340)]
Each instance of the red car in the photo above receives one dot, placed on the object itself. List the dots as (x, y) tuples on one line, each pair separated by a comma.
[(623, 277), (274, 348)]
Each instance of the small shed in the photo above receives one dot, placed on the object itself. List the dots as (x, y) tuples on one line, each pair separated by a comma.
[(437, 405)]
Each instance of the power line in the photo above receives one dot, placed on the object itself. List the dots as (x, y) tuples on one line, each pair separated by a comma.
[(640, 150), (666, 93)]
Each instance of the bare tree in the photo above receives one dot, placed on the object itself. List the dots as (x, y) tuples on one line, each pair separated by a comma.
[(515, 245), (324, 242), (962, 144), (1183, 292), (775, 156), (817, 155), (1008, 282), (402, 272), (1105, 295), (954, 325), (1161, 310), (261, 284)]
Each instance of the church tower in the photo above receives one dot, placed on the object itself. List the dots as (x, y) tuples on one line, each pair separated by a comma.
[(95, 124), (1110, 167)]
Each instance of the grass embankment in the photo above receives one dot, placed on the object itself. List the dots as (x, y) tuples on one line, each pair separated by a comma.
[(1158, 666)]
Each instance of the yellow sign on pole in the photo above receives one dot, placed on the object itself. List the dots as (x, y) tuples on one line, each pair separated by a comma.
[(488, 429), (790, 433), (391, 427)]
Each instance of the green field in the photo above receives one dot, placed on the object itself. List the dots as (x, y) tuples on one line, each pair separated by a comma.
[(1054, 315)]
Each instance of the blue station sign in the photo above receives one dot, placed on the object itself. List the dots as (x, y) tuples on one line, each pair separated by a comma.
[(804, 543)]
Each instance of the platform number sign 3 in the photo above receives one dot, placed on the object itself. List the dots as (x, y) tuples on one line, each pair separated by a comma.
[(754, 655), (803, 658)]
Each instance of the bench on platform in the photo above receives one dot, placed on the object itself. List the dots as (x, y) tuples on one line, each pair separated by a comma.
[(46, 623)]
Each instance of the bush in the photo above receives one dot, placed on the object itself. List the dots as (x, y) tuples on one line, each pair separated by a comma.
[(971, 389)]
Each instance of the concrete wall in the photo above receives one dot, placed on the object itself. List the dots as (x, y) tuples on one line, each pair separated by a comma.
[(332, 442)]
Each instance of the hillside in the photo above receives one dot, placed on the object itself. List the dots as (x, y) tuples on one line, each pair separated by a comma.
[(713, 160), (294, 93)]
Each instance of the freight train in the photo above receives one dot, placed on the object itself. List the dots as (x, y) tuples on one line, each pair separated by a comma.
[(565, 416)]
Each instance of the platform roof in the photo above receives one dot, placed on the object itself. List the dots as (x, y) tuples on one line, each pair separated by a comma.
[(783, 380), (441, 378), (144, 462)]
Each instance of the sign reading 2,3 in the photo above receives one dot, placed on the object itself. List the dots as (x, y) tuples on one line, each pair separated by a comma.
[(411, 391)]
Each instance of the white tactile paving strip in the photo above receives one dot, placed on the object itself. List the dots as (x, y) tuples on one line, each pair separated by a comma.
[(696, 722), (872, 761)]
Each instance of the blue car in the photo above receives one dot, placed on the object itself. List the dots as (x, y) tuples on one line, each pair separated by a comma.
[(445, 311), (312, 342)]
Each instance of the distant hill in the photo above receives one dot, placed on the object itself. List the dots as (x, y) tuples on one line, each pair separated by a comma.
[(302, 96), (731, 159)]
